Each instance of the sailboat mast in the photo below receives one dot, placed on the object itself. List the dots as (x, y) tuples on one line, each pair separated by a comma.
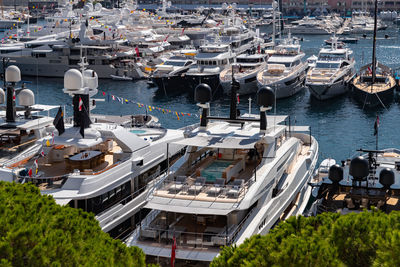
[(374, 43)]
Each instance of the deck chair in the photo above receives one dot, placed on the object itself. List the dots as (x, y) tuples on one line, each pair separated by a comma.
[(178, 184), (216, 189), (236, 188), (198, 185)]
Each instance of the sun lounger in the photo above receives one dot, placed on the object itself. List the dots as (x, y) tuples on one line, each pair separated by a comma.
[(236, 188), (216, 189), (178, 184), (198, 185)]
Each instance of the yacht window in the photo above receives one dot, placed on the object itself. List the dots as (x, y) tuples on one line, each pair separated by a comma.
[(327, 65), (9, 51), (214, 63), (175, 63), (287, 64), (188, 63), (231, 60)]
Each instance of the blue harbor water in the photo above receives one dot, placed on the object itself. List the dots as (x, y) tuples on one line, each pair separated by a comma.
[(340, 125)]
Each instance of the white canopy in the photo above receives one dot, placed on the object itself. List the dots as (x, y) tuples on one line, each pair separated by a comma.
[(229, 142)]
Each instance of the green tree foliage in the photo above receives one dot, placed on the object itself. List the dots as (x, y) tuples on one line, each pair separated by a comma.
[(35, 231), (330, 239)]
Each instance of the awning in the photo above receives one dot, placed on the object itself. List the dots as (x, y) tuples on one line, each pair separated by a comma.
[(190, 206), (63, 202), (229, 142), (300, 128)]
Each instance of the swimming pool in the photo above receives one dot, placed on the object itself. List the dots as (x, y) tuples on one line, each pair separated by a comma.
[(215, 169), (137, 131)]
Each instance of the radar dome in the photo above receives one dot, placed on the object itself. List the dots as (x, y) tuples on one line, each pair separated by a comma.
[(335, 173), (73, 80), (2, 96), (265, 97), (202, 93), (386, 177), (125, 12), (26, 98), (13, 74), (90, 79), (98, 7), (359, 168)]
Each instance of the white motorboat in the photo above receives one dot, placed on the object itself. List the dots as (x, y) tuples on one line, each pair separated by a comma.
[(238, 178), (285, 71), (332, 73), (245, 72)]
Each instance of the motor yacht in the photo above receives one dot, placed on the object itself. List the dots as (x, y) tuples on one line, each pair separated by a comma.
[(169, 76), (211, 59), (245, 72), (22, 122), (99, 167), (285, 71), (238, 178), (332, 73)]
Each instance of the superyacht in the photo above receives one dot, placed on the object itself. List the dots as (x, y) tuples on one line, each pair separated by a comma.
[(169, 76), (99, 167), (52, 57), (238, 178)]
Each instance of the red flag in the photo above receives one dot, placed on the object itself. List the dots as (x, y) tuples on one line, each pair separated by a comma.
[(166, 38), (30, 172), (14, 95), (238, 99), (137, 51), (183, 30), (104, 93), (80, 104), (173, 252), (369, 70)]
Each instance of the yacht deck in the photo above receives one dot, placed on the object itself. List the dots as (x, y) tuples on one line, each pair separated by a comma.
[(377, 87)]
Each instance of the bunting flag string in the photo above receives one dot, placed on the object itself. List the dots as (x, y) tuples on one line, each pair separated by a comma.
[(149, 108)]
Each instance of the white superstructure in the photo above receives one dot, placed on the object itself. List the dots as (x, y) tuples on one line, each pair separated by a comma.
[(333, 71), (99, 167), (239, 176), (285, 71)]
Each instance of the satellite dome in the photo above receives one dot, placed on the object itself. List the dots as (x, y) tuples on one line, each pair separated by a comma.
[(359, 168), (202, 93), (125, 12), (265, 97), (13, 74), (90, 79), (98, 7), (2, 96), (26, 98), (335, 173), (73, 80)]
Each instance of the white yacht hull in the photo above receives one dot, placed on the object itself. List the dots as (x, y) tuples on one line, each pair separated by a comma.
[(246, 87), (323, 91), (288, 86), (43, 68), (264, 218)]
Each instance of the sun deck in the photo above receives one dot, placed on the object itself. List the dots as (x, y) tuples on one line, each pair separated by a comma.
[(227, 177), (382, 83), (60, 161)]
